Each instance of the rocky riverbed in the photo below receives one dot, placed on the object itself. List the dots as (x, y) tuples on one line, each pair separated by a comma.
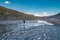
[(32, 32)]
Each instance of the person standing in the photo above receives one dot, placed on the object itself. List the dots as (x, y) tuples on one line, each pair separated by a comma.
[(24, 24)]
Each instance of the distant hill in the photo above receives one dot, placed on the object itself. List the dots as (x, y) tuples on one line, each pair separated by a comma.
[(53, 19), (55, 16), (10, 14)]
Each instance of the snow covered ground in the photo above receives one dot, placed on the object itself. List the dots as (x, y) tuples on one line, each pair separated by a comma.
[(41, 30)]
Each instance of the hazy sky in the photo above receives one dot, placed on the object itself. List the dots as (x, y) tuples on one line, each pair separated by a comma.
[(35, 7)]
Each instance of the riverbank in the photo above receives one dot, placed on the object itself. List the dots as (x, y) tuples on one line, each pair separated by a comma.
[(54, 21)]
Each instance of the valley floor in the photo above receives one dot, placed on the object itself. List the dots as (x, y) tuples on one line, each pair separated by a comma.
[(42, 32)]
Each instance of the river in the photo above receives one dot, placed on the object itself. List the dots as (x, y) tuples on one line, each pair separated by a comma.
[(30, 31)]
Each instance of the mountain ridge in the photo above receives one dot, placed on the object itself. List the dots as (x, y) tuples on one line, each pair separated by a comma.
[(55, 19), (6, 13)]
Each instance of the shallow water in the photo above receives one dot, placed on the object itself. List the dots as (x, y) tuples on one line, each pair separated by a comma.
[(30, 31)]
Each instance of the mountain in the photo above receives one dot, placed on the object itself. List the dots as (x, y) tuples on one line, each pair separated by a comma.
[(55, 19), (10, 14), (57, 16)]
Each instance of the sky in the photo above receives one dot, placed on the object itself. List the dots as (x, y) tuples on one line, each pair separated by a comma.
[(35, 7)]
